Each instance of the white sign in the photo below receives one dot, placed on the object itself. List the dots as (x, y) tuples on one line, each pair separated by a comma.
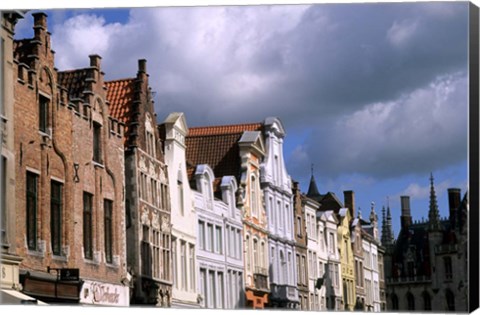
[(100, 293)]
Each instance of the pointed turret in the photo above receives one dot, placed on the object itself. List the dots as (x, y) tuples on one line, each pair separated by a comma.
[(390, 233), (385, 235), (313, 190), (433, 213)]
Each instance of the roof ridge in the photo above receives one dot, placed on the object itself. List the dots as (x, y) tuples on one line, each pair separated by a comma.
[(72, 70), (117, 80), (226, 125)]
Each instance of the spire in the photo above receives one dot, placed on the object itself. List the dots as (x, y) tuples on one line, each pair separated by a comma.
[(433, 214), (390, 234), (312, 188), (384, 227), (373, 215), (387, 229)]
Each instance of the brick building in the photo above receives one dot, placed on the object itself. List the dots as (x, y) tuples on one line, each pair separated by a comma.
[(69, 178), (9, 277), (300, 247), (146, 190)]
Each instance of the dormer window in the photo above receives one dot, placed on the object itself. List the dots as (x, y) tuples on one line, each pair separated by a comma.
[(43, 113)]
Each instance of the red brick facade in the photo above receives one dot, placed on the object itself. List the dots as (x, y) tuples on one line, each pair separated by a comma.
[(61, 151)]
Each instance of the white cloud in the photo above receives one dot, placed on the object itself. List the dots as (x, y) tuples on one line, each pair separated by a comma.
[(402, 31)]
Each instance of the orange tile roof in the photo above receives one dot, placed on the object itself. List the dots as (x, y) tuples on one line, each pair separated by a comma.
[(120, 95), (73, 81), (217, 146), (221, 130)]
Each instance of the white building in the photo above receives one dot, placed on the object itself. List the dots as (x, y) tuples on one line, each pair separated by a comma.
[(219, 241), (277, 191), (332, 283), (314, 264), (184, 220), (370, 243)]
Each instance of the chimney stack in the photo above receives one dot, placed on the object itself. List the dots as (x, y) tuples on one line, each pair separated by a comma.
[(95, 61), (349, 197), (142, 65), (406, 217), (39, 20)]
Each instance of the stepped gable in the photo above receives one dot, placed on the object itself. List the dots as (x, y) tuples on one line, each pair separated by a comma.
[(217, 146)]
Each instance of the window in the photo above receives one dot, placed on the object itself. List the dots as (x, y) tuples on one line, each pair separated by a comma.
[(262, 255), (239, 246), (218, 240), (212, 292), (221, 290), (299, 226), (174, 262), (180, 196), (253, 196), (43, 113), (394, 302), (183, 262), (87, 226), (156, 254), (255, 253), (299, 270), (247, 250), (336, 276), (56, 217), (450, 300), (203, 286), (331, 243), (145, 251), (191, 255), (3, 205), (108, 222), (166, 256), (410, 301), (210, 236), (427, 302), (201, 234), (447, 261), (153, 188), (411, 268), (304, 269), (150, 143), (32, 186), (97, 142)]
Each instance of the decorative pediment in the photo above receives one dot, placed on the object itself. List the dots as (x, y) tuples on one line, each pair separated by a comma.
[(273, 124), (252, 141)]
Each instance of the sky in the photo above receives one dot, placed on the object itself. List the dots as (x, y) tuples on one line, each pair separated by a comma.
[(375, 96)]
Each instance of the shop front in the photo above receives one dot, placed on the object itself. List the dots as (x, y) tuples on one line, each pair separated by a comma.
[(106, 294), (50, 288)]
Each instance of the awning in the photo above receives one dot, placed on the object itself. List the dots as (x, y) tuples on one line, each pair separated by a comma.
[(16, 297)]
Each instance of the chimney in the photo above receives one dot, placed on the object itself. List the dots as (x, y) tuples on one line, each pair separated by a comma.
[(40, 20), (349, 197), (142, 65), (95, 61), (454, 199), (406, 217)]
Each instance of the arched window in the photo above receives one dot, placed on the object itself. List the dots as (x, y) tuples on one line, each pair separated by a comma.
[(253, 196), (255, 253), (410, 301), (450, 300), (427, 301), (262, 255), (181, 204), (394, 302)]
